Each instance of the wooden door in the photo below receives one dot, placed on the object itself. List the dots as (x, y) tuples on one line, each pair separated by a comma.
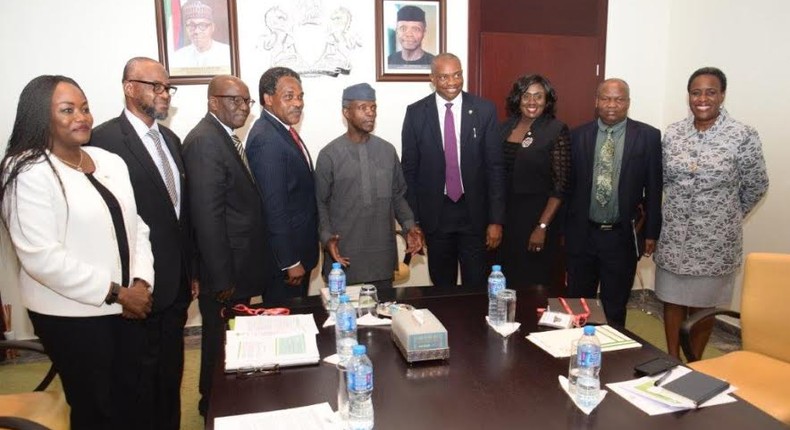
[(569, 62)]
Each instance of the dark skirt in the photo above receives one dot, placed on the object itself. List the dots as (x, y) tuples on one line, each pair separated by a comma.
[(520, 266)]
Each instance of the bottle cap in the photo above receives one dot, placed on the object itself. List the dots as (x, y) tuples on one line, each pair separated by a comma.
[(335, 265), (589, 330), (496, 268), (358, 350), (343, 298)]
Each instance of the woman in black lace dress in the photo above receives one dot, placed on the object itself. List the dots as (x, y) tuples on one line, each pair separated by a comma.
[(537, 159)]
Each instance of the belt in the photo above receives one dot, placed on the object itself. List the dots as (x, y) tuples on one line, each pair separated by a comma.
[(605, 227)]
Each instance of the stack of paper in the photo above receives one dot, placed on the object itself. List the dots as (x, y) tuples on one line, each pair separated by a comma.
[(260, 342), (558, 342), (655, 400)]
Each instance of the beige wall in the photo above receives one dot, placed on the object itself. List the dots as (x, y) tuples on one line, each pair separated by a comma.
[(653, 45)]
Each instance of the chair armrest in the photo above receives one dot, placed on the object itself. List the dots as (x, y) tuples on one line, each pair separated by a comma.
[(690, 322), (18, 423), (35, 347)]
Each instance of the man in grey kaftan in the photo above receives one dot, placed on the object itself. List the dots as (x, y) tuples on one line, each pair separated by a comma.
[(361, 192)]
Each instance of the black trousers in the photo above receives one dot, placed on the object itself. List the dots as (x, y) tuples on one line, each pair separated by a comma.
[(99, 363), (163, 364), (454, 241), (609, 258), (211, 342)]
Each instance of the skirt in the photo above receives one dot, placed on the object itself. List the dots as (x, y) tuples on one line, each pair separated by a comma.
[(693, 290)]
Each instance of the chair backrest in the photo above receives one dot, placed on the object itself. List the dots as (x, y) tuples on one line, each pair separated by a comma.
[(764, 301)]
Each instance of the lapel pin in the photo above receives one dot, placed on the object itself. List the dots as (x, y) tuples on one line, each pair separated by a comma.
[(471, 111)]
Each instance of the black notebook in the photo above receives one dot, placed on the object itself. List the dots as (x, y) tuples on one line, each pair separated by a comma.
[(697, 387)]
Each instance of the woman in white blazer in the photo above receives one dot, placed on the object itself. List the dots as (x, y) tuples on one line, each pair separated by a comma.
[(86, 266)]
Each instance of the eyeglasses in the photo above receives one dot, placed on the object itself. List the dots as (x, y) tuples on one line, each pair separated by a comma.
[(203, 26), (159, 87), (238, 100)]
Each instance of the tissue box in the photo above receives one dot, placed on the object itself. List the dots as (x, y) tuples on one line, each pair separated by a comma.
[(420, 342)]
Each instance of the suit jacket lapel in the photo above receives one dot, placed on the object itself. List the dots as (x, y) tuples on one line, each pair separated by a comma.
[(467, 118), (588, 150), (432, 114), (229, 145), (289, 141)]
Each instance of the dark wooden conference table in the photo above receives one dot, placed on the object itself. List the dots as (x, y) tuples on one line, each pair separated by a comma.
[(489, 382)]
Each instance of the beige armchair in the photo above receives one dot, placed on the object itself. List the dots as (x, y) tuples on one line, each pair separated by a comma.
[(37, 409), (761, 370)]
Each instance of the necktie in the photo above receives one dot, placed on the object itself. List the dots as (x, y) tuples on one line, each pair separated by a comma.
[(298, 143), (242, 154), (296, 137), (452, 173), (604, 178), (170, 182)]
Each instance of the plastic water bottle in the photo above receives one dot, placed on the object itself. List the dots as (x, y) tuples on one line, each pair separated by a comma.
[(360, 390), (337, 286), (496, 283), (345, 328), (588, 356)]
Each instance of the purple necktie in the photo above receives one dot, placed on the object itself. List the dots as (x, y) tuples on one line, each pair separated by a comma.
[(452, 174)]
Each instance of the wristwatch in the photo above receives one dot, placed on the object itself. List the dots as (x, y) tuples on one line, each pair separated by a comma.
[(543, 226), (112, 296)]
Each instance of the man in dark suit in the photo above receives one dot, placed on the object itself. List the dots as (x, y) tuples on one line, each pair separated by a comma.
[(453, 165), (153, 154), (283, 170), (616, 175), (227, 217)]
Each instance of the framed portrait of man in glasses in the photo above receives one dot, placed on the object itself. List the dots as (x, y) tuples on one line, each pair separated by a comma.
[(409, 33), (197, 39)]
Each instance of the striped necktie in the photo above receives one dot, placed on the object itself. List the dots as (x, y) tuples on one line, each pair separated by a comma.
[(170, 182), (242, 154)]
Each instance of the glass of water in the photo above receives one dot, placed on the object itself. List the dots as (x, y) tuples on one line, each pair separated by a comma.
[(506, 305), (368, 301)]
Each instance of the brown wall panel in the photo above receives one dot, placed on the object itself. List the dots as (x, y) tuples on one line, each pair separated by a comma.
[(569, 62), (565, 17)]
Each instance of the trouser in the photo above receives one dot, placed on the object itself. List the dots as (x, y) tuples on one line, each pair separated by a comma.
[(99, 363), (454, 241), (163, 364), (608, 258)]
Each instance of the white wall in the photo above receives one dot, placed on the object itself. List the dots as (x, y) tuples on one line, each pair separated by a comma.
[(653, 45)]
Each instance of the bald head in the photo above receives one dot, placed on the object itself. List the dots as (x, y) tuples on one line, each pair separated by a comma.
[(229, 100), (142, 78), (614, 81), (443, 58), (612, 101)]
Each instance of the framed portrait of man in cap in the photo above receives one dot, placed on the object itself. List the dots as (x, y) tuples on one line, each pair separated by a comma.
[(408, 35), (197, 39)]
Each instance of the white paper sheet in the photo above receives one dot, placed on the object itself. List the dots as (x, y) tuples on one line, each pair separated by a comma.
[(558, 342), (314, 417)]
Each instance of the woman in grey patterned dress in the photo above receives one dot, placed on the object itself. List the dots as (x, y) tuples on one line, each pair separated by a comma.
[(714, 175)]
